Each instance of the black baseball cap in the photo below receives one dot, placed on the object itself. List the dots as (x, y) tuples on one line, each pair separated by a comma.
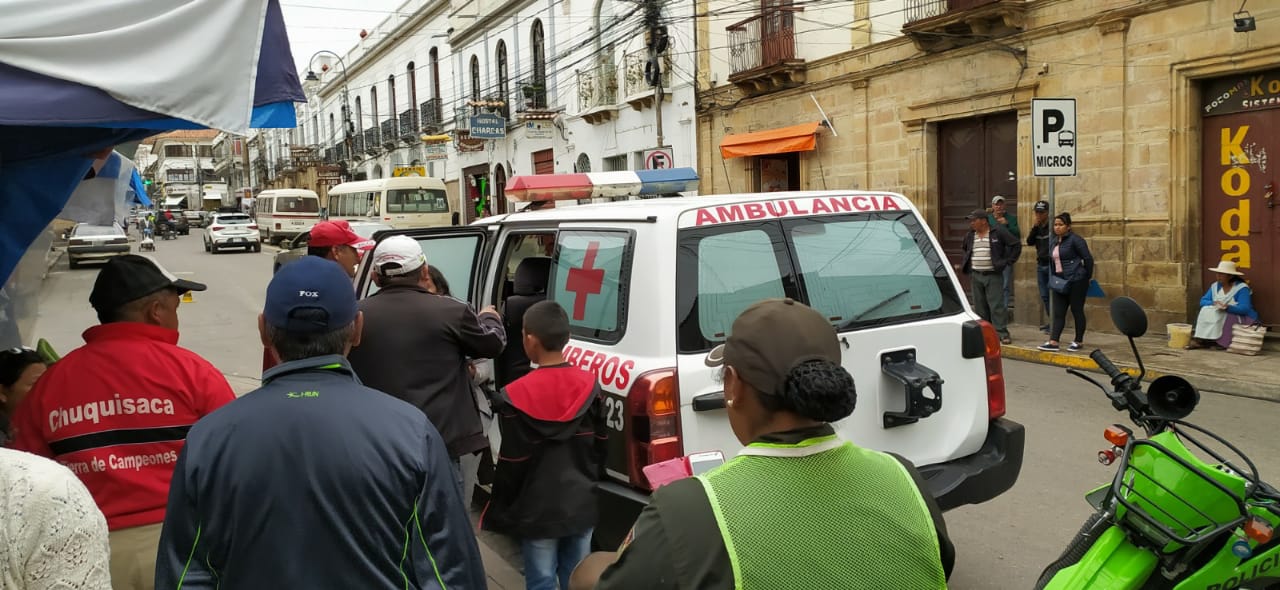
[(131, 277), (770, 338), (977, 214), (1042, 206)]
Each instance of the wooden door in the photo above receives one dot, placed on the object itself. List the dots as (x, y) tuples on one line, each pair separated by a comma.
[(1239, 222), (977, 159)]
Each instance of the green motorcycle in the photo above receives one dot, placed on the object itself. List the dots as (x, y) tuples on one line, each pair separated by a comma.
[(1169, 519)]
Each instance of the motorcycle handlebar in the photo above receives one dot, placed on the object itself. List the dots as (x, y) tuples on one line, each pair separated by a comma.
[(1106, 365)]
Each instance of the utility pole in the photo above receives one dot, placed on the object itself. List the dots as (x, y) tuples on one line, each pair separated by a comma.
[(657, 40)]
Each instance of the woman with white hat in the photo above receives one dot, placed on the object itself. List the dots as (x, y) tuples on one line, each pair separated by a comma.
[(1227, 298)]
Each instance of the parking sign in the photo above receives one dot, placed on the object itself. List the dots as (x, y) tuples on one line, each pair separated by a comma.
[(658, 159), (1053, 136)]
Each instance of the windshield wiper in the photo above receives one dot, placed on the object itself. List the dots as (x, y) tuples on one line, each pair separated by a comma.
[(857, 318)]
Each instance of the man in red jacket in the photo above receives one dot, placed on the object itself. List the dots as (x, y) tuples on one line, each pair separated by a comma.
[(116, 411)]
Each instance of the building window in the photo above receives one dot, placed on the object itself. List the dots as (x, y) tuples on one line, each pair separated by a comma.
[(333, 129), (614, 163), (176, 151), (502, 76), (315, 129), (475, 78), (373, 106), (391, 94), (583, 164), (359, 116), (413, 95), (180, 175), (538, 42), (434, 58)]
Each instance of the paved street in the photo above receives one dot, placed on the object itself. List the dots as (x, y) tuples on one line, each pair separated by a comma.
[(1002, 544)]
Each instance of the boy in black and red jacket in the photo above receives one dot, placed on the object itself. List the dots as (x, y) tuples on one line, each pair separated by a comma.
[(552, 454)]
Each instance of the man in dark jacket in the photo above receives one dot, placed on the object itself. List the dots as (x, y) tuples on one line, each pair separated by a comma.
[(416, 345), (987, 251), (552, 454), (313, 480), (1039, 237)]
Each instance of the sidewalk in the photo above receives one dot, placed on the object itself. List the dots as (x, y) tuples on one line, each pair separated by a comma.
[(1217, 371), (501, 575)]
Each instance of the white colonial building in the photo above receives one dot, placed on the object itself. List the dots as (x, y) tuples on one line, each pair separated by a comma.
[(567, 78)]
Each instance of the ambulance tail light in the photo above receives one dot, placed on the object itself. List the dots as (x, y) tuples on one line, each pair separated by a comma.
[(653, 423), (994, 370)]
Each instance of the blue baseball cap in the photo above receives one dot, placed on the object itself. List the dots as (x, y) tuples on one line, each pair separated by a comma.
[(310, 283)]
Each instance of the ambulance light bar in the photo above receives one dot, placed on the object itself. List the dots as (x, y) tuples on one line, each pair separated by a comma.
[(623, 183)]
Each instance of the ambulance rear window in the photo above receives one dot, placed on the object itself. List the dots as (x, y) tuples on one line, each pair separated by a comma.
[(590, 273)]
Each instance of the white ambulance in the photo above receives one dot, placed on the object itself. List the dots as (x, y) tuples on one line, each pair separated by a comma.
[(651, 285)]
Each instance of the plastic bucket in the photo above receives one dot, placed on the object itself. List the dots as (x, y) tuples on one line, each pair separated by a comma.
[(1179, 335)]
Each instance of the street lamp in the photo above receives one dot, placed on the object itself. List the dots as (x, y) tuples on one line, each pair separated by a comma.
[(348, 126)]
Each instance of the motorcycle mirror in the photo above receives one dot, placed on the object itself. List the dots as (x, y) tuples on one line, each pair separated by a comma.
[(1172, 397), (1128, 317)]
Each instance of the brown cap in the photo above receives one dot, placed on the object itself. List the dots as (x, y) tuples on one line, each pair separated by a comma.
[(977, 214), (771, 337)]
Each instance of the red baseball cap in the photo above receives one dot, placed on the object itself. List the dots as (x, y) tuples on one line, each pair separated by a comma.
[(337, 233)]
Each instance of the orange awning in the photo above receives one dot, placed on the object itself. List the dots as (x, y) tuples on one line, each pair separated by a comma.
[(796, 138)]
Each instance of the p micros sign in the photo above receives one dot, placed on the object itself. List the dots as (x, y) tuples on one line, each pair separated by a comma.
[(796, 207)]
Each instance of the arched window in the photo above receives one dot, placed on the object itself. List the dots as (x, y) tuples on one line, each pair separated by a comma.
[(333, 130), (499, 189), (391, 96), (501, 58), (315, 129), (359, 117), (373, 107), (475, 78), (583, 165), (413, 96), (377, 171), (538, 41), (433, 57)]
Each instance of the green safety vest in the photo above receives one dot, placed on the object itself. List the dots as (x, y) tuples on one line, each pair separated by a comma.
[(823, 514)]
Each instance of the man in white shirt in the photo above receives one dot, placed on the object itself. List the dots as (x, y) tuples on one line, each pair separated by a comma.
[(988, 251)]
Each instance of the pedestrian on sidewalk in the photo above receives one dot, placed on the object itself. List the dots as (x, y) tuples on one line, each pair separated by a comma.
[(1009, 221), (416, 347), (798, 507), (988, 251), (1039, 236), (552, 455), (1228, 302), (1072, 268), (116, 411), (52, 534), (314, 480)]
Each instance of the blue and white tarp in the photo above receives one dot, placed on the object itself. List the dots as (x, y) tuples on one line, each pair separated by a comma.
[(80, 76)]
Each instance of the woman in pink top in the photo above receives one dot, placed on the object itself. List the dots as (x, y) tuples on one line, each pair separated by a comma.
[(1071, 261)]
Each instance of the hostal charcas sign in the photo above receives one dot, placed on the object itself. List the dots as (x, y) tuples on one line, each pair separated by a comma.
[(1241, 93)]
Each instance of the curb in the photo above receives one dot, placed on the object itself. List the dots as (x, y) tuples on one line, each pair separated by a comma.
[(52, 261), (1081, 361)]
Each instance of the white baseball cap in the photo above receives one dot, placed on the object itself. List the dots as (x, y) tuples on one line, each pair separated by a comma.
[(398, 255)]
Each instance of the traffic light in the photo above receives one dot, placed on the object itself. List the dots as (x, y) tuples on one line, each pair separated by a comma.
[(146, 182)]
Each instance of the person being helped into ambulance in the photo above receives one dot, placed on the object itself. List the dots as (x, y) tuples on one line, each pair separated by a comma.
[(116, 411), (335, 241), (798, 508)]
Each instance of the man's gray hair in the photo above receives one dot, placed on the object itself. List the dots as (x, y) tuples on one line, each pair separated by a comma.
[(292, 346)]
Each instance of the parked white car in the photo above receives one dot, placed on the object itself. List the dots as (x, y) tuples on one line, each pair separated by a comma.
[(232, 230), (95, 243)]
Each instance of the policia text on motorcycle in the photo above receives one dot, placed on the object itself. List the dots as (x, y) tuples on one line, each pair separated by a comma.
[(798, 507)]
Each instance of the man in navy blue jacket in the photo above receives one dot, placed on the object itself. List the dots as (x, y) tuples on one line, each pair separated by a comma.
[(315, 481)]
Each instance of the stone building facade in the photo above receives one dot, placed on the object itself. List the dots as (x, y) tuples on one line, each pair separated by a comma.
[(1177, 112)]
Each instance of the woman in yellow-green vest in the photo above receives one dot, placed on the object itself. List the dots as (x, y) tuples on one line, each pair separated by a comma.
[(798, 508)]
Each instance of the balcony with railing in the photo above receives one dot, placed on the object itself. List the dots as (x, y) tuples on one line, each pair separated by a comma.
[(636, 90), (431, 114), (762, 52), (371, 140), (598, 93), (409, 128), (530, 99), (939, 25), (389, 131)]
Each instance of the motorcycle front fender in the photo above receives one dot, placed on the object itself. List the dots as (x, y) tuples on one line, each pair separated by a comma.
[(1113, 563)]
